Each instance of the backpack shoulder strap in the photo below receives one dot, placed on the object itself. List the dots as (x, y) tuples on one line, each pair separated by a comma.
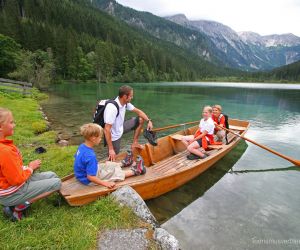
[(220, 117), (114, 103)]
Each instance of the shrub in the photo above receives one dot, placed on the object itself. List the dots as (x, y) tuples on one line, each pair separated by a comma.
[(39, 127)]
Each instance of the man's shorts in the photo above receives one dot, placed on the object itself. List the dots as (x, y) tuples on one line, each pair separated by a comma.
[(129, 125)]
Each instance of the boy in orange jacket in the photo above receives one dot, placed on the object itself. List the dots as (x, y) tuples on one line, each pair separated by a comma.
[(19, 185)]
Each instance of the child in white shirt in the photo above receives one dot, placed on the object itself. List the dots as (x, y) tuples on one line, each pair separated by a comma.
[(203, 136)]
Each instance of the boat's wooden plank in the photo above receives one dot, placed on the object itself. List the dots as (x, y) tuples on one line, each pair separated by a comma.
[(215, 146), (176, 137), (230, 137), (162, 151), (172, 164), (239, 128), (172, 158), (181, 161), (185, 163)]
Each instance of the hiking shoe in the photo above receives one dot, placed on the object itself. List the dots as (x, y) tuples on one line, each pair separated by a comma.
[(151, 137), (128, 160), (140, 168)]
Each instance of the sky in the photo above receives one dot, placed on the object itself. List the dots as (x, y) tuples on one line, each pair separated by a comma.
[(261, 16)]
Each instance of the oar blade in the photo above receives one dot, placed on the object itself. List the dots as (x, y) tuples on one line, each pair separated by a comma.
[(296, 162)]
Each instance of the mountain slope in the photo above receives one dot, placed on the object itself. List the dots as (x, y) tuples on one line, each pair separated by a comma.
[(210, 40), (160, 28), (287, 40), (77, 31), (181, 33), (247, 50), (287, 73)]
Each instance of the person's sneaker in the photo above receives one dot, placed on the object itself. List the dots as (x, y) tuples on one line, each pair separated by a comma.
[(139, 168), (17, 215), (22, 207), (151, 137), (12, 214), (8, 212), (193, 157), (128, 160)]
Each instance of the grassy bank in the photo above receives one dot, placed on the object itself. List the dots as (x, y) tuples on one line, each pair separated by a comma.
[(49, 226)]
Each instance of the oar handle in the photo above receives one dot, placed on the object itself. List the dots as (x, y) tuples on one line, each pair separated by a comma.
[(294, 161)]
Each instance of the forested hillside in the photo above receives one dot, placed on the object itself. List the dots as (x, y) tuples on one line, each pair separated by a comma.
[(288, 73), (77, 41)]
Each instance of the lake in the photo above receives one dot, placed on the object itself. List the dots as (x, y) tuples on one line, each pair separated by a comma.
[(248, 200)]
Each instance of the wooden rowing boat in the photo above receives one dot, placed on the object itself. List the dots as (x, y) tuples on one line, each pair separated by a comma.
[(167, 167)]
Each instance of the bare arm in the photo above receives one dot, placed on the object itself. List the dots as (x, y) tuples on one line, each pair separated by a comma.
[(200, 136), (141, 114), (111, 151), (95, 179), (217, 126)]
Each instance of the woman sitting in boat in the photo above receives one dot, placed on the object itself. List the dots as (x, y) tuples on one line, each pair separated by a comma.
[(86, 168), (203, 136), (219, 119)]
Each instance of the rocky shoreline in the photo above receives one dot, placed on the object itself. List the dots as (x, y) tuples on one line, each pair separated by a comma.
[(139, 238)]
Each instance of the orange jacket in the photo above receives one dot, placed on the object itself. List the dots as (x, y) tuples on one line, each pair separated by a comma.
[(219, 121), (204, 140), (13, 174)]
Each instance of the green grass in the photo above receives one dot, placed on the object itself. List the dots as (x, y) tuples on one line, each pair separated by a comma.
[(49, 226)]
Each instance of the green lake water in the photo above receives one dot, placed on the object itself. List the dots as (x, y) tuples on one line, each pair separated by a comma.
[(248, 200)]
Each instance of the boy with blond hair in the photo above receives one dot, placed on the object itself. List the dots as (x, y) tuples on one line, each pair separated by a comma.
[(86, 168)]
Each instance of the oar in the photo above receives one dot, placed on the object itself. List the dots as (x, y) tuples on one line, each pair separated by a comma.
[(294, 161), (174, 126)]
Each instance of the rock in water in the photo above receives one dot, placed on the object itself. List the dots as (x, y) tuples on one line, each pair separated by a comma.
[(167, 241), (129, 197), (63, 143)]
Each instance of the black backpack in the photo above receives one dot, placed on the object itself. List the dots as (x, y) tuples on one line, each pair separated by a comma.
[(99, 113), (226, 124), (226, 120)]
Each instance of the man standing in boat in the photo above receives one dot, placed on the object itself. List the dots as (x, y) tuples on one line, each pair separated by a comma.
[(115, 124)]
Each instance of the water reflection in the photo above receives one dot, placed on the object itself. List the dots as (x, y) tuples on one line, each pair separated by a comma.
[(171, 203)]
